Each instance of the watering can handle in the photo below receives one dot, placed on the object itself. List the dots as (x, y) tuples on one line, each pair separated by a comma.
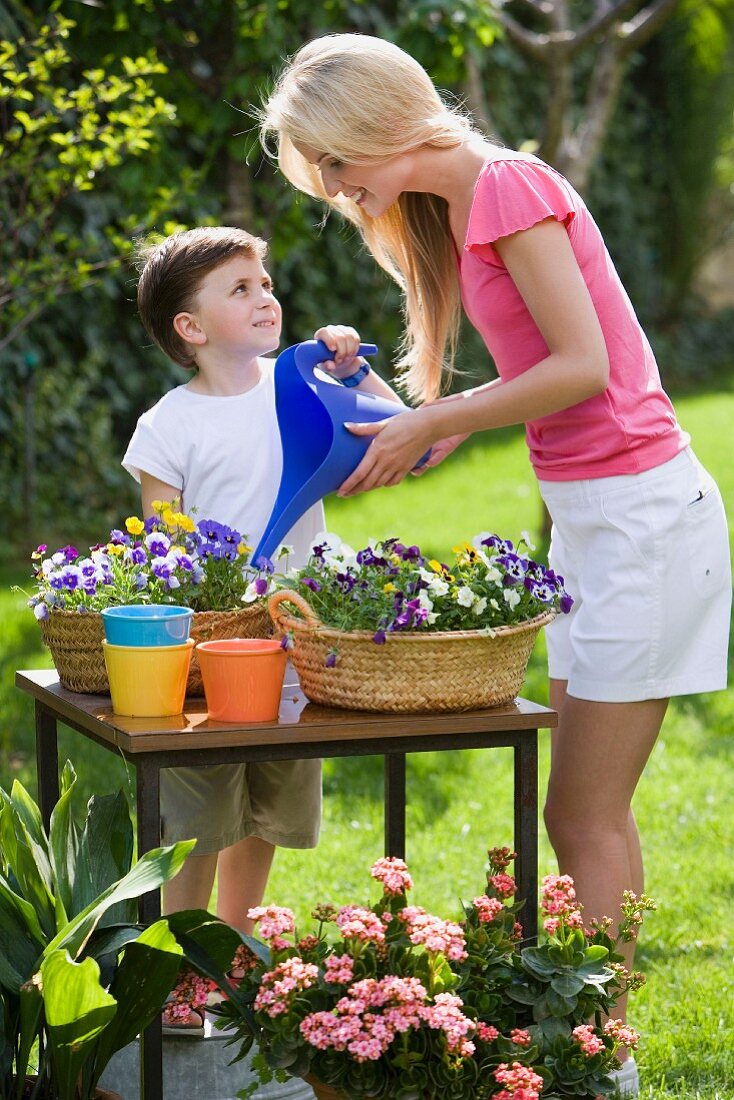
[(310, 353)]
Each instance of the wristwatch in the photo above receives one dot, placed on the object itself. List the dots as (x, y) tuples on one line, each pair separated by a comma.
[(356, 378)]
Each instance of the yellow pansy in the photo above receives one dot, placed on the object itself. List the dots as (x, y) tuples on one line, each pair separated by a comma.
[(243, 548), (389, 587), (168, 518), (184, 522), (436, 566), (134, 525), (115, 548), (158, 505)]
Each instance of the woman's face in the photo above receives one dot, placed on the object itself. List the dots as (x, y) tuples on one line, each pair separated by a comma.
[(372, 187)]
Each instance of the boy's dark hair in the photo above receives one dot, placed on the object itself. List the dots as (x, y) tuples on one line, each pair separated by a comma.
[(174, 269)]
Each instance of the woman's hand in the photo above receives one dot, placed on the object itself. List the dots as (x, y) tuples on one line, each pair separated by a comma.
[(343, 341), (439, 451), (398, 444)]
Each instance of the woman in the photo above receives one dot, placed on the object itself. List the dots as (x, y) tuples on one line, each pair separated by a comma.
[(639, 531)]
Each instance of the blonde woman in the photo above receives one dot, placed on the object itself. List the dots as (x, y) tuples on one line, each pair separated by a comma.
[(639, 531)]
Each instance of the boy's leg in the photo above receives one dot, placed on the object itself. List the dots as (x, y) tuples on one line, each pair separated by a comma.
[(243, 874), (192, 886)]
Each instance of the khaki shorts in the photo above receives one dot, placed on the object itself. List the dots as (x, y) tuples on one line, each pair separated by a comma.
[(278, 801)]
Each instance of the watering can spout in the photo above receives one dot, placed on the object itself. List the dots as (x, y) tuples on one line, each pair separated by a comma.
[(319, 453)]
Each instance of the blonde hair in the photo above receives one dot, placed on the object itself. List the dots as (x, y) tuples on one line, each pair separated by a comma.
[(363, 100)]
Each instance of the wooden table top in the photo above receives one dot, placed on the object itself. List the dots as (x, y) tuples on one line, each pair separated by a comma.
[(299, 721)]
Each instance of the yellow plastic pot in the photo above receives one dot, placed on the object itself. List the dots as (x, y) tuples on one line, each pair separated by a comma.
[(148, 681)]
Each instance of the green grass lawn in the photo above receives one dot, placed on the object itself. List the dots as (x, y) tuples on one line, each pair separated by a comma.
[(461, 804)]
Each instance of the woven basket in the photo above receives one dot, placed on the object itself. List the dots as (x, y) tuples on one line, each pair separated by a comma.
[(440, 671), (75, 641)]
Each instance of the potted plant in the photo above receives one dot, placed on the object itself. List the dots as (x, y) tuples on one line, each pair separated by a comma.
[(397, 1002), (79, 978), (388, 629), (169, 558)]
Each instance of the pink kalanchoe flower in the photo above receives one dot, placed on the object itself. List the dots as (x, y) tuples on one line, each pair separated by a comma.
[(487, 1033), (520, 1037), (501, 857), (521, 1081), (393, 874), (339, 969), (487, 908), (622, 1034), (505, 885), (280, 985), (274, 921), (551, 925), (445, 1014), (356, 922), (434, 933), (588, 1040)]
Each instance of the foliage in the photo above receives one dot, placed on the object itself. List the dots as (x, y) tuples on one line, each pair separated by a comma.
[(61, 130), (168, 558), (404, 1003), (77, 976), (388, 587)]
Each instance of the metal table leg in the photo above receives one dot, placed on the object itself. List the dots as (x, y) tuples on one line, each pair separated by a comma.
[(149, 834), (47, 761), (526, 830), (395, 804)]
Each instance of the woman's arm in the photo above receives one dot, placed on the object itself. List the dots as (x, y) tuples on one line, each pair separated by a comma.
[(152, 489), (544, 269)]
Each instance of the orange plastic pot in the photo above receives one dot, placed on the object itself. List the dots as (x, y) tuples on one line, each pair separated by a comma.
[(243, 678)]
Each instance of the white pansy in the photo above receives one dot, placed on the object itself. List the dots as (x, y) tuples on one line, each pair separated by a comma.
[(480, 605), (250, 594), (488, 632), (512, 598), (479, 539), (493, 575), (431, 617), (425, 601), (284, 551), (465, 597), (494, 605), (326, 538), (524, 535), (438, 586)]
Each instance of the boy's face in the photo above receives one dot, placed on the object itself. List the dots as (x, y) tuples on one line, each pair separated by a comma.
[(236, 309)]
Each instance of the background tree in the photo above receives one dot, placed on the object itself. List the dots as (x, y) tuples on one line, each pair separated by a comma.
[(217, 57)]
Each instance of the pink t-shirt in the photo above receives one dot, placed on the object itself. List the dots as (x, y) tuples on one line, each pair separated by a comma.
[(632, 425)]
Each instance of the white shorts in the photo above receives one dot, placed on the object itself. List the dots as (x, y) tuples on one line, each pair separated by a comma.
[(646, 559)]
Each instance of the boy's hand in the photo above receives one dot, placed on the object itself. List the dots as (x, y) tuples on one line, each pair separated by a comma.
[(343, 341)]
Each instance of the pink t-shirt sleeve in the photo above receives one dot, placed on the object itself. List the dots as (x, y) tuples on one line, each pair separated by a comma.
[(512, 195)]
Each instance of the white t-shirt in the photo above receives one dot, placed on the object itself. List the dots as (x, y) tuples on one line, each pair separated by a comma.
[(225, 455)]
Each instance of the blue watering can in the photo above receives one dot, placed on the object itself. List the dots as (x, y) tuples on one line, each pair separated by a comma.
[(319, 453)]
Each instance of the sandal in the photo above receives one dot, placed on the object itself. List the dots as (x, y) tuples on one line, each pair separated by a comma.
[(243, 961), (183, 1012)]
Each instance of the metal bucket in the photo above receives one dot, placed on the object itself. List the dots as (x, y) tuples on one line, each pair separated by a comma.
[(198, 1068)]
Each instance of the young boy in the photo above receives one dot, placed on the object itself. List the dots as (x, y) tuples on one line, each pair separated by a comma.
[(206, 299)]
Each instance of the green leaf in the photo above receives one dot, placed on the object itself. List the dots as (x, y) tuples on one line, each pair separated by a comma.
[(77, 1009), (30, 1025), (149, 873), (144, 978), (567, 985), (64, 844), (105, 853)]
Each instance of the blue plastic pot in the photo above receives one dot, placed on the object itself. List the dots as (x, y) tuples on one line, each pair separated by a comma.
[(147, 624), (319, 453)]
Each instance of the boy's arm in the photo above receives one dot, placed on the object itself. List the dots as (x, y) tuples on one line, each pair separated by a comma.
[(152, 488), (343, 342)]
